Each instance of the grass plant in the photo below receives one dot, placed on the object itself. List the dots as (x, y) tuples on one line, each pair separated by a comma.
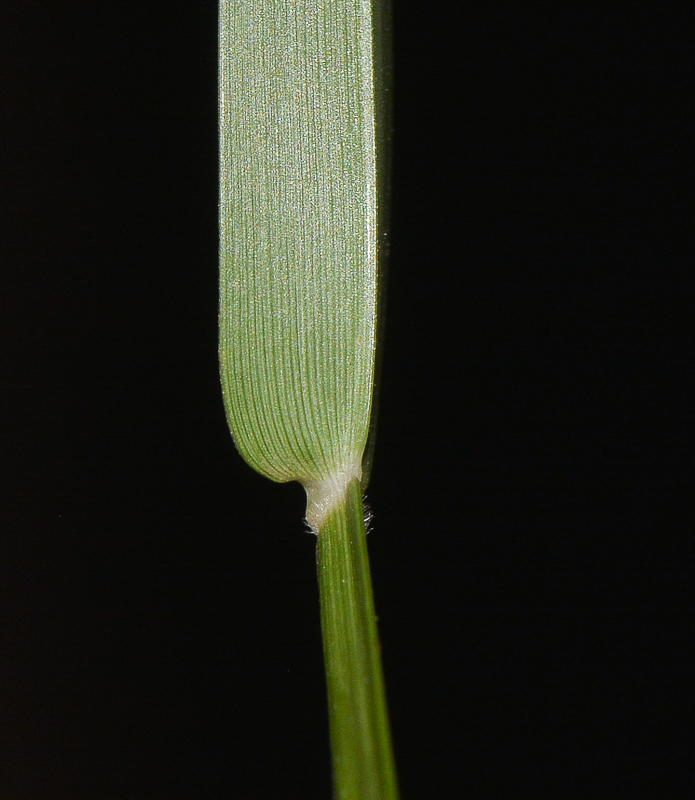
[(303, 185)]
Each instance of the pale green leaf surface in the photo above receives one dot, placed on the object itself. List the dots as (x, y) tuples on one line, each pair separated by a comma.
[(298, 218)]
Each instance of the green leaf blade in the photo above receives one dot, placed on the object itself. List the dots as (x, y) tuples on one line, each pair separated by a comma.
[(299, 235)]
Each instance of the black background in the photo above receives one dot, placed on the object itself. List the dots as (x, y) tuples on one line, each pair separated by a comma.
[(533, 484)]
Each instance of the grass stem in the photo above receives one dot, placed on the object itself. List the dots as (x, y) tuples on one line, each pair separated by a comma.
[(363, 764)]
